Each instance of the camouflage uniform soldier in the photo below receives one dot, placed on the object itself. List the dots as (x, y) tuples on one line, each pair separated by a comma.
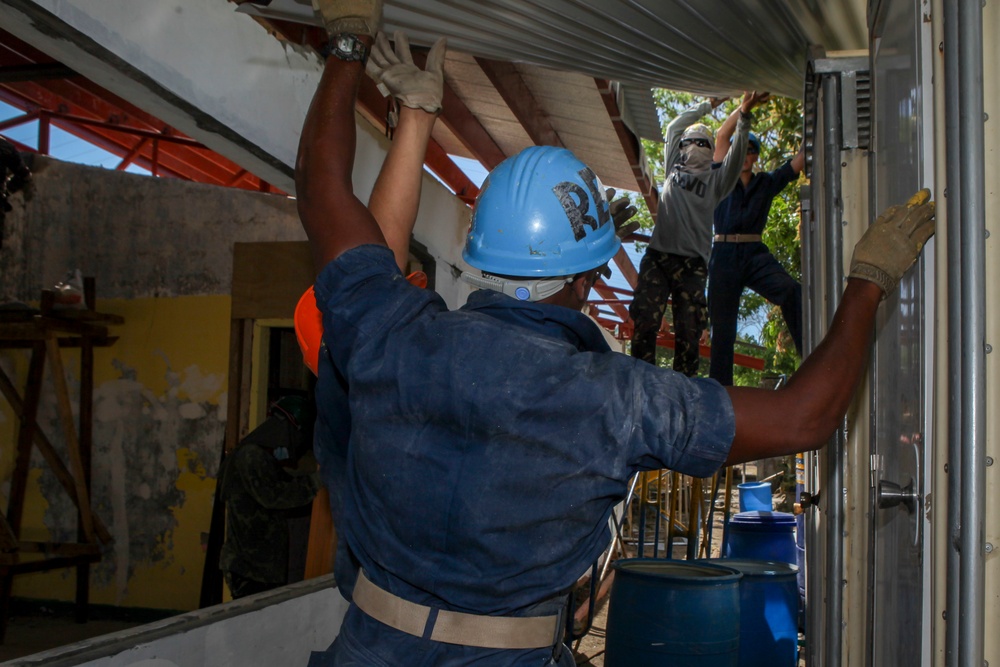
[(675, 266), (259, 488), (664, 275)]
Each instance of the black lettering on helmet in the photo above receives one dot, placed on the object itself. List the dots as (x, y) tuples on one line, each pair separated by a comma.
[(576, 209), (603, 210)]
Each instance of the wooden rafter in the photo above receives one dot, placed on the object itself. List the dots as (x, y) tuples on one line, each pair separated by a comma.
[(457, 117), (515, 92), (630, 145)]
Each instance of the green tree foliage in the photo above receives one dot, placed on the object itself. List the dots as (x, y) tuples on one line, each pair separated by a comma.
[(778, 123)]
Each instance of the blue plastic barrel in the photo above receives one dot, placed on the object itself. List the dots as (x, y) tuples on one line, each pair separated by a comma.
[(762, 536), (755, 497), (670, 612), (769, 607)]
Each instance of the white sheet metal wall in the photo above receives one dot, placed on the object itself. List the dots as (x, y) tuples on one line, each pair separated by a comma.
[(991, 96), (821, 227)]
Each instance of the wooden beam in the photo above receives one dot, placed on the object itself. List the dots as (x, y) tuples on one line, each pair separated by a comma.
[(455, 115), (625, 265), (50, 454), (25, 436), (441, 164), (630, 144), (65, 410), (515, 92)]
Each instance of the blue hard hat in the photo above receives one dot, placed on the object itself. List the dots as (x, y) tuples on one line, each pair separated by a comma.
[(753, 140), (541, 213)]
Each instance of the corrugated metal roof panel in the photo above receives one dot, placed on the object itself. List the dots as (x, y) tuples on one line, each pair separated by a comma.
[(559, 48), (701, 46)]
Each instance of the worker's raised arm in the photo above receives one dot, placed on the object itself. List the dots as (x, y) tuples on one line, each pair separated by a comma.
[(804, 413), (725, 134), (395, 198), (736, 151), (335, 220), (799, 161)]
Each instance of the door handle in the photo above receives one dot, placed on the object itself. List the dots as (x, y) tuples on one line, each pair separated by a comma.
[(891, 494)]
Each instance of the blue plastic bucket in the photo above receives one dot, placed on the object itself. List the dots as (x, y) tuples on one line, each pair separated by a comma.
[(769, 607), (761, 536), (755, 497), (670, 612)]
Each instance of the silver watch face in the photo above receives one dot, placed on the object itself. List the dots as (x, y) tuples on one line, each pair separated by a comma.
[(346, 43), (348, 47)]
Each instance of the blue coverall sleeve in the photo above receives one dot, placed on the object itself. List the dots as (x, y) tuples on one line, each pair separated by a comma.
[(685, 424)]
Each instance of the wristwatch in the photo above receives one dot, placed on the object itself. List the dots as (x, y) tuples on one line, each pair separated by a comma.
[(348, 47)]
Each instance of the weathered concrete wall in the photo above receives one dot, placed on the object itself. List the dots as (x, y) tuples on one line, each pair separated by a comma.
[(139, 236)]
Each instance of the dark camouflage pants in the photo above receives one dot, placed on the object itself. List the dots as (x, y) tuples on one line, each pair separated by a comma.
[(663, 276)]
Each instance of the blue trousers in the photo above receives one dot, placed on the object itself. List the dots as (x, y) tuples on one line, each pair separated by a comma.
[(732, 267)]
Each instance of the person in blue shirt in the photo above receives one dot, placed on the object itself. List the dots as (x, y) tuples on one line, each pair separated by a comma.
[(741, 259), (488, 445)]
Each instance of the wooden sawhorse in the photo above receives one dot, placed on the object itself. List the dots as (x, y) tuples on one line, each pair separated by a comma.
[(45, 334)]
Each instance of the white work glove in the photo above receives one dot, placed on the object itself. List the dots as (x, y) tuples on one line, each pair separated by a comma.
[(893, 242), (355, 17), (621, 211), (397, 75)]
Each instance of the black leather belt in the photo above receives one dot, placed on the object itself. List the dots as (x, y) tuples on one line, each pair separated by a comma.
[(737, 238)]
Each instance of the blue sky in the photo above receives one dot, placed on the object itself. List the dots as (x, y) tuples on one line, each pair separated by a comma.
[(62, 144)]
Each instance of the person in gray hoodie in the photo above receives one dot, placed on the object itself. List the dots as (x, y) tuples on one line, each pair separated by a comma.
[(675, 265)]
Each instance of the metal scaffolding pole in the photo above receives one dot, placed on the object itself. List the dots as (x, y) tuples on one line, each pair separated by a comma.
[(833, 491), (973, 289)]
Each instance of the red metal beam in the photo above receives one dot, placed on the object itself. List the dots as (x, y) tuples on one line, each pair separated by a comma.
[(372, 105), (77, 97)]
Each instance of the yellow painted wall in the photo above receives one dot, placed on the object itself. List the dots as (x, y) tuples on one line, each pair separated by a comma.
[(159, 422)]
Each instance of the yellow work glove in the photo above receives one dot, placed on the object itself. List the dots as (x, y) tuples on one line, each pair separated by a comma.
[(355, 17), (893, 243), (397, 75), (621, 211)]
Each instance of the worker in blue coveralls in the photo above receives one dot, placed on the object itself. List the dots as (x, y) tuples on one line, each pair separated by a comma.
[(741, 259), (488, 445), (675, 266)]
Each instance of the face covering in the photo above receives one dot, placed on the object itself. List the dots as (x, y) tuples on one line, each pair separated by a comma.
[(695, 159)]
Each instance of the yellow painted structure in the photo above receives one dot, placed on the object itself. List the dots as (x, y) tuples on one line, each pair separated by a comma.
[(159, 422)]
